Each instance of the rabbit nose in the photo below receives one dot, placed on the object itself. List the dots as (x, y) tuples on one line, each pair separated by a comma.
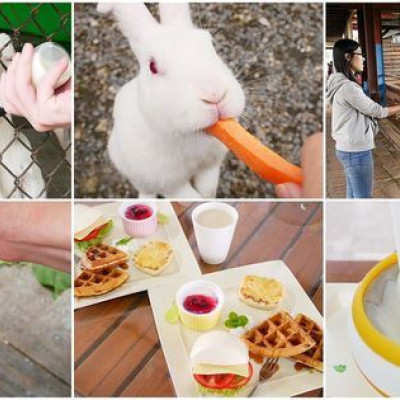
[(213, 98)]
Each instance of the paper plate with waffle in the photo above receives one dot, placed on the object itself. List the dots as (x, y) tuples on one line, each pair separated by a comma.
[(126, 247), (232, 328)]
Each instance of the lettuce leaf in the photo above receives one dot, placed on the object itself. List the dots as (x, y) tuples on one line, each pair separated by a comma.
[(54, 280), (218, 392), (84, 245)]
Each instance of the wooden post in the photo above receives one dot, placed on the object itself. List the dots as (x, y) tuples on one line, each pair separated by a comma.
[(369, 28), (361, 40)]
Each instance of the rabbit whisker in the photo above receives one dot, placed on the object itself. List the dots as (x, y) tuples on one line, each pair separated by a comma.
[(242, 67), (262, 79), (253, 72), (252, 127), (239, 62)]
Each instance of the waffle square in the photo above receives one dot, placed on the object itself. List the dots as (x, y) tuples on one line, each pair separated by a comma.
[(89, 283), (313, 357), (278, 336), (100, 256)]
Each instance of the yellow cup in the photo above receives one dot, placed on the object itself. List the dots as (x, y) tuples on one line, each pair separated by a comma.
[(200, 322)]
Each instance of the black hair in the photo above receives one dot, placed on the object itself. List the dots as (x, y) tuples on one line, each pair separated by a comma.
[(342, 48)]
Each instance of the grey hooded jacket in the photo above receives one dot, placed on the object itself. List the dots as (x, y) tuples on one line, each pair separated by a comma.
[(354, 114)]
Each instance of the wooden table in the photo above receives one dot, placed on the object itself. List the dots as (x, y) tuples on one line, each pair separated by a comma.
[(348, 271), (35, 337), (117, 350)]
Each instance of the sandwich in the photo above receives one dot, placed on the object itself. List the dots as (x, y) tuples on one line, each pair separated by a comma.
[(220, 365), (90, 227)]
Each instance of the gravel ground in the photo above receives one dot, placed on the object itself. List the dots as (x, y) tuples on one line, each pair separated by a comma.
[(279, 48)]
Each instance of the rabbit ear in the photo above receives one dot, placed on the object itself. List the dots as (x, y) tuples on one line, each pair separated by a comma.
[(134, 19), (175, 14)]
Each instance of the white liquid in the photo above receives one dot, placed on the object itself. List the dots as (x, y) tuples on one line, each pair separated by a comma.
[(382, 300), (395, 208), (214, 219), (382, 304)]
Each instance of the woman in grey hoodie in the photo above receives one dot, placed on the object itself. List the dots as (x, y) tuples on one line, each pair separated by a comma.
[(354, 117)]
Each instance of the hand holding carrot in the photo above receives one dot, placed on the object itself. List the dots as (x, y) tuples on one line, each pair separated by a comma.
[(291, 181), (258, 157), (311, 162)]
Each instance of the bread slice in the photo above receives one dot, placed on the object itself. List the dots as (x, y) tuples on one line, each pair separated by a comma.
[(154, 257), (260, 292)]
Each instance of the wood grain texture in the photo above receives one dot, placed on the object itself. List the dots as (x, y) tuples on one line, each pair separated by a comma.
[(21, 376), (117, 350), (35, 353), (347, 271)]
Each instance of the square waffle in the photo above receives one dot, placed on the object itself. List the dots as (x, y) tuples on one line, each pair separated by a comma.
[(278, 336), (313, 357), (89, 283), (100, 256)]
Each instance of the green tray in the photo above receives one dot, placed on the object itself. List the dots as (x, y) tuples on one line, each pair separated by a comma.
[(42, 20)]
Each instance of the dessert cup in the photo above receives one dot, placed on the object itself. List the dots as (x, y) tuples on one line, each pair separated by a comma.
[(376, 355), (200, 322), (139, 228)]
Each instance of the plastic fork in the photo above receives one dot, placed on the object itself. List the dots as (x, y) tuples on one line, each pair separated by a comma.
[(267, 370)]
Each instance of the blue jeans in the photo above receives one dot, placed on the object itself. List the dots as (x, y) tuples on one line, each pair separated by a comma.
[(359, 171)]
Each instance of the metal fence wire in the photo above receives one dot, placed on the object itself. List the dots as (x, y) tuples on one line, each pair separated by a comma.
[(33, 164)]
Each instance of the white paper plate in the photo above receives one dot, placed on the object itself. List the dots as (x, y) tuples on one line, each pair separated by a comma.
[(184, 263), (177, 340), (350, 383)]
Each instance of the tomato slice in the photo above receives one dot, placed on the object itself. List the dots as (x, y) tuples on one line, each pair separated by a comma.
[(217, 381), (240, 381), (93, 234)]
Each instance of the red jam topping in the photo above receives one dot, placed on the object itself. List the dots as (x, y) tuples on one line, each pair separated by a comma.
[(138, 212), (199, 303)]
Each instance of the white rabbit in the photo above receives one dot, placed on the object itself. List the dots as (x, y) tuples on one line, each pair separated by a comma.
[(183, 86), (16, 156)]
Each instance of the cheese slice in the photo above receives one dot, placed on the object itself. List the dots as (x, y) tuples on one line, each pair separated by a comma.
[(208, 369), (80, 235)]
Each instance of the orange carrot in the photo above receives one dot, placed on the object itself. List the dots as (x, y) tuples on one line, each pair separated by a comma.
[(258, 157)]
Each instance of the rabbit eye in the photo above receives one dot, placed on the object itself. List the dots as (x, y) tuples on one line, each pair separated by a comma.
[(153, 67)]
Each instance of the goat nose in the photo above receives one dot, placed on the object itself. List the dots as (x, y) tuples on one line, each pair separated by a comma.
[(213, 97)]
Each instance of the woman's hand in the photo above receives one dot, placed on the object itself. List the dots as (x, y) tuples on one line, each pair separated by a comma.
[(36, 232), (44, 107), (311, 163), (393, 110)]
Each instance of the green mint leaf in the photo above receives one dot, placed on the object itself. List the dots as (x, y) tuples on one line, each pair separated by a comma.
[(232, 315), (340, 368), (124, 241)]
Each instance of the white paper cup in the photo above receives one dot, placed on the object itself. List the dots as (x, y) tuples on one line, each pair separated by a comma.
[(214, 242)]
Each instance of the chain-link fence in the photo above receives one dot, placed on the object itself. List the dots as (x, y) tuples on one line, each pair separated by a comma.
[(33, 164)]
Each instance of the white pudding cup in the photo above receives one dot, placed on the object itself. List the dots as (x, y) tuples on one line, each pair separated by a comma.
[(214, 242)]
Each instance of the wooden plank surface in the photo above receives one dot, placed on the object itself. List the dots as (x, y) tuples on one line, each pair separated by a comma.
[(347, 271), (117, 351), (35, 334)]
